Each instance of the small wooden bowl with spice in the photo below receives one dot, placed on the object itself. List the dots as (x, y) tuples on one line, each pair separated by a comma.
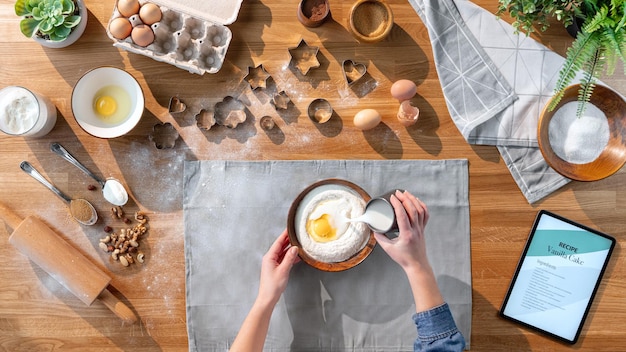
[(370, 21), (312, 13)]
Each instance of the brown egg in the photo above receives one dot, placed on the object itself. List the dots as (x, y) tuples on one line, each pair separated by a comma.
[(367, 119), (150, 13), (142, 35), (403, 89), (127, 8), (120, 28)]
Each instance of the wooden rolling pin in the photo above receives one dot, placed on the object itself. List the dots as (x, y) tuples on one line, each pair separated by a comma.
[(65, 264)]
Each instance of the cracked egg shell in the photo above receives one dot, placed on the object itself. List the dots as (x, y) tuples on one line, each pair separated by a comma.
[(403, 89), (408, 114)]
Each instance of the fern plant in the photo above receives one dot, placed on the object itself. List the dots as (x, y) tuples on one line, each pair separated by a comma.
[(597, 47), (595, 50)]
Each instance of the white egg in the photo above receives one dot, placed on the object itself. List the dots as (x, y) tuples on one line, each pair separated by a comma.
[(366, 119)]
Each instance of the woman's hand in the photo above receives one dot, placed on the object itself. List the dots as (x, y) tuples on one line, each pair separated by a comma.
[(409, 248), (275, 268)]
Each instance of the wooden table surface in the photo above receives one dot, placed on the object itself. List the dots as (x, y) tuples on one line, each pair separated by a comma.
[(38, 314)]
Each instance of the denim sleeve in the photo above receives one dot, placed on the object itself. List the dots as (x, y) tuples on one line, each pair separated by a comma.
[(436, 331)]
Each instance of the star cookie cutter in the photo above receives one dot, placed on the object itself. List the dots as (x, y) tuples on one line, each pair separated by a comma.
[(304, 57), (257, 77)]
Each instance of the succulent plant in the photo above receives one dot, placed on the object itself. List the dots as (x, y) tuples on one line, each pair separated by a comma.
[(52, 19)]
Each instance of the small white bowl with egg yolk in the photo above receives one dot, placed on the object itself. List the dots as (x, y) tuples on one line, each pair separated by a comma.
[(107, 102), (314, 225)]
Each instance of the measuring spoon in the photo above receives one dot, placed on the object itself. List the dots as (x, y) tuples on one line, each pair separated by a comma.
[(112, 189), (81, 210)]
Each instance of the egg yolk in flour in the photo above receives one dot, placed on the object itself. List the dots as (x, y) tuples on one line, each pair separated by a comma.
[(321, 229), (326, 222)]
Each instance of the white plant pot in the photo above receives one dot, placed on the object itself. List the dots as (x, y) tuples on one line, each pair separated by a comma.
[(74, 35)]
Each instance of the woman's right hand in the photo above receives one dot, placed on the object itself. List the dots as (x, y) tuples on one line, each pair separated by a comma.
[(409, 248)]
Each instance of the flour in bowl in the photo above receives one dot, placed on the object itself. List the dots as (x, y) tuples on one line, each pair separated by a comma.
[(578, 140), (322, 229)]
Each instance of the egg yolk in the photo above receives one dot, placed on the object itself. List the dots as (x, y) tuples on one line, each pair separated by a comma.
[(105, 105), (321, 230)]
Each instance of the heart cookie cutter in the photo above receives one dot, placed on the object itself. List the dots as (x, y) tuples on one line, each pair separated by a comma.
[(353, 71), (176, 105)]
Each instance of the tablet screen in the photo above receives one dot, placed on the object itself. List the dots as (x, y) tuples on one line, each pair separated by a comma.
[(557, 276)]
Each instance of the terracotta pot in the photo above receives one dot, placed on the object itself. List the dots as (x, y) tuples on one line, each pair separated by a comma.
[(76, 33)]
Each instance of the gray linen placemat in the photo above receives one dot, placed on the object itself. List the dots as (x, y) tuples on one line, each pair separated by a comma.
[(495, 83), (233, 211)]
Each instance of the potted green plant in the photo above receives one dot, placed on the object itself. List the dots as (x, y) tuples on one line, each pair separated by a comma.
[(597, 47), (52, 23), (528, 14)]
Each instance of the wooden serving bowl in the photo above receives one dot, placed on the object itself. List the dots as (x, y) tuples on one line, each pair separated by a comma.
[(293, 238), (611, 159)]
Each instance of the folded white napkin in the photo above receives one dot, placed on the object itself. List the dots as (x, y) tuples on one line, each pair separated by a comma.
[(496, 84)]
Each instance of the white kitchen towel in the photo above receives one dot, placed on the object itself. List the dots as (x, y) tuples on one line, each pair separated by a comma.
[(495, 83), (234, 210)]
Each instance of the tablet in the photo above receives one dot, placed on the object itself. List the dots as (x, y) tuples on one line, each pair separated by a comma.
[(557, 276)]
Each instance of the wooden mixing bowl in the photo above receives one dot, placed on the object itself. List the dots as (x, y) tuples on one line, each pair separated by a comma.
[(611, 159), (293, 238)]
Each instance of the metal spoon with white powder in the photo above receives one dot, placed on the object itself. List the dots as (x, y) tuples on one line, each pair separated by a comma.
[(113, 191)]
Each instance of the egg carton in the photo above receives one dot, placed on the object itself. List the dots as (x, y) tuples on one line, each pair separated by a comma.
[(191, 35)]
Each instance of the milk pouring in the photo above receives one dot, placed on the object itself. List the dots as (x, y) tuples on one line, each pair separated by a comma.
[(379, 215)]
